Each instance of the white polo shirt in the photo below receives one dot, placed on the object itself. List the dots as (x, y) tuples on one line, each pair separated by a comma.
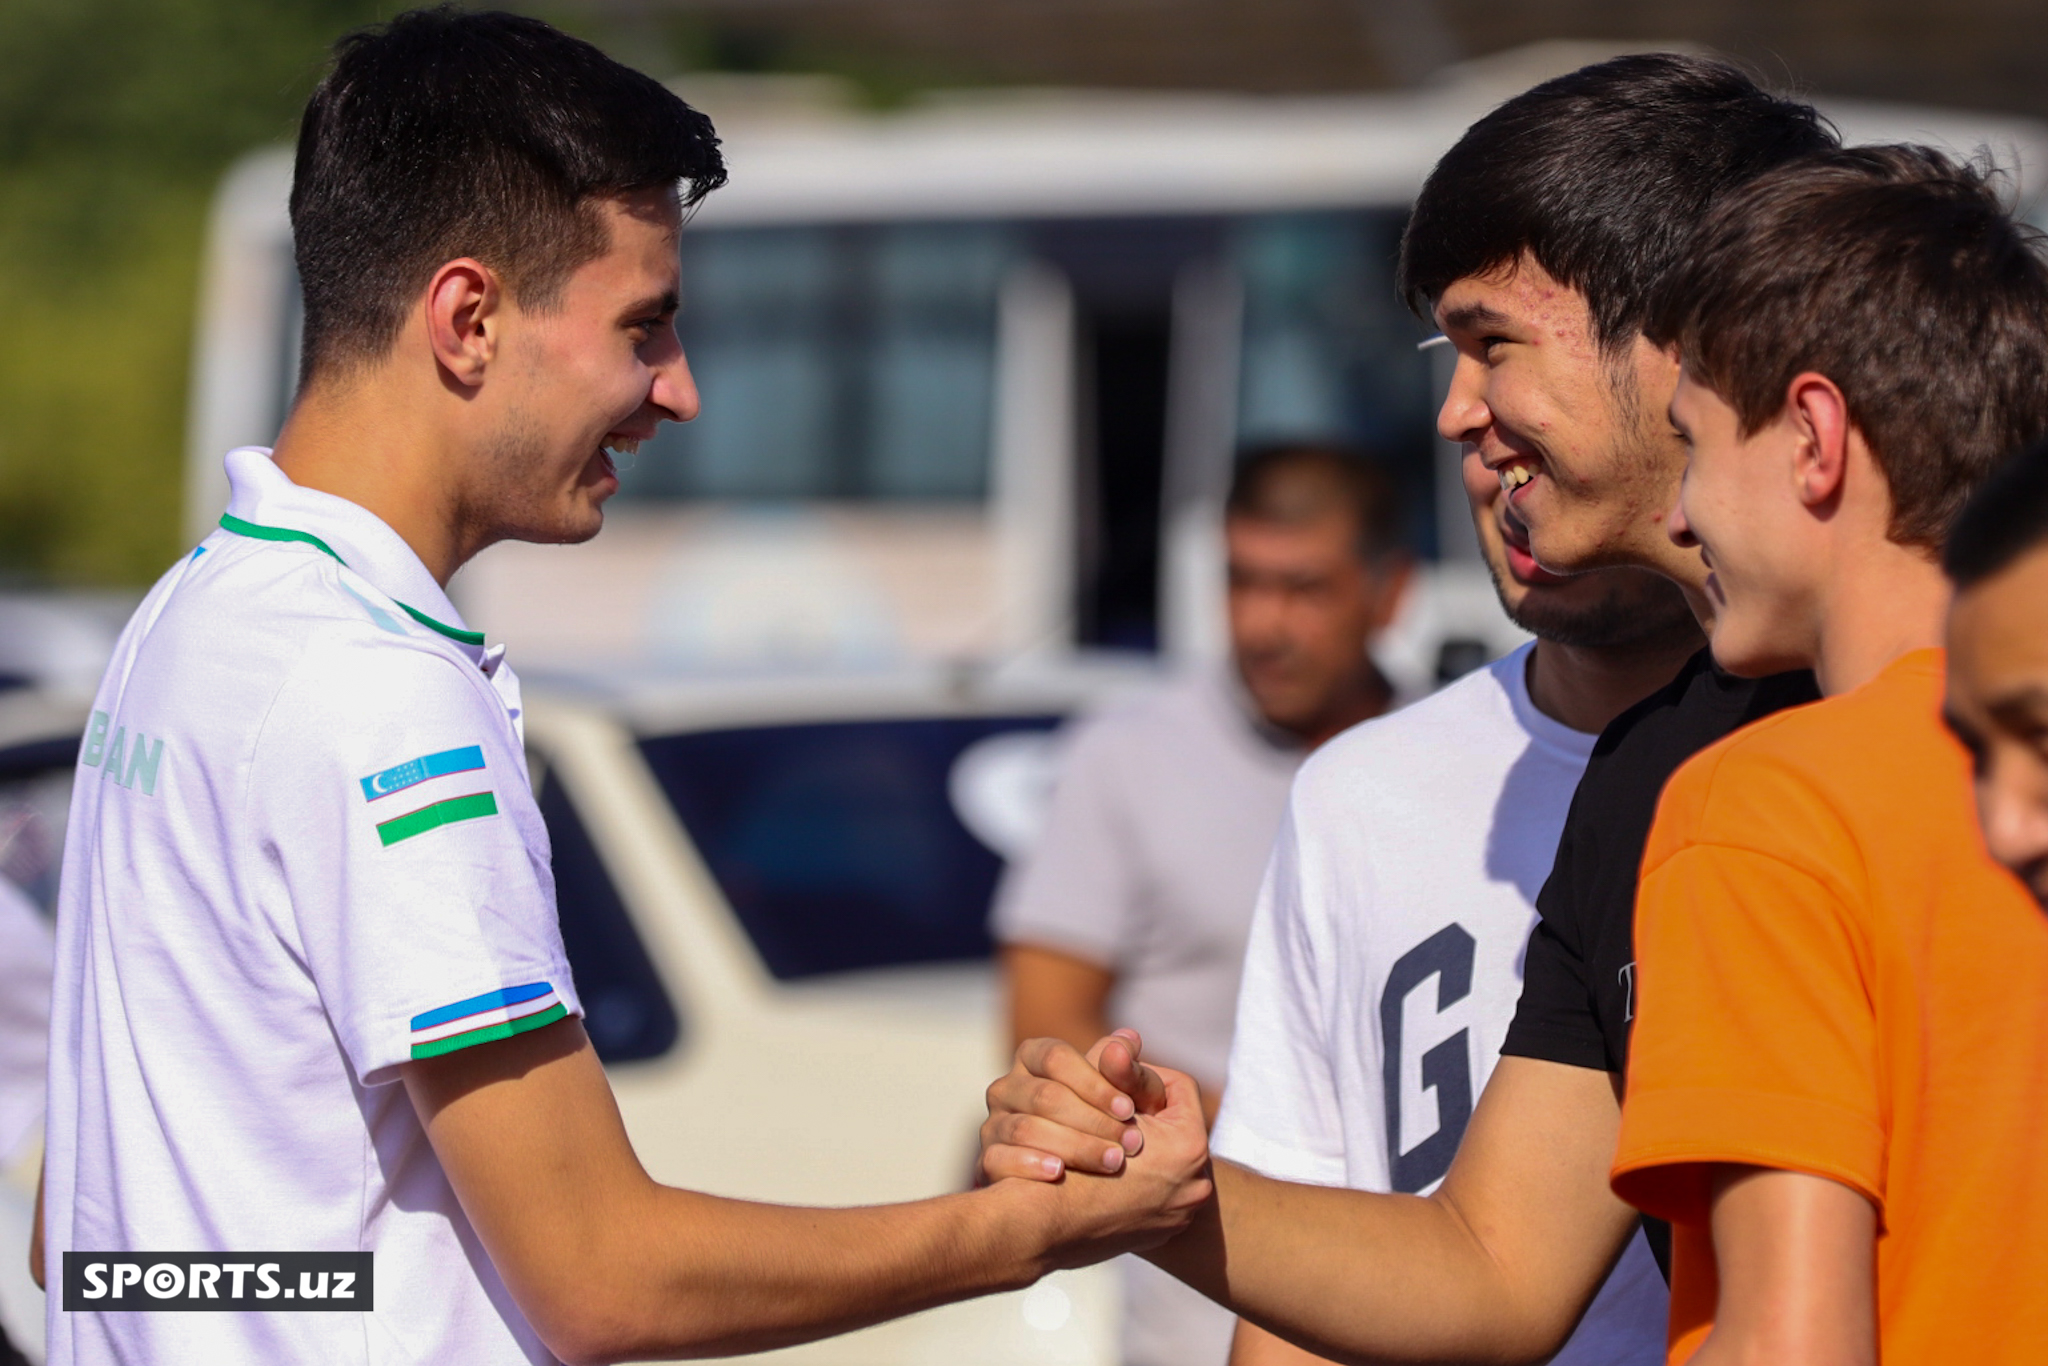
[(303, 849)]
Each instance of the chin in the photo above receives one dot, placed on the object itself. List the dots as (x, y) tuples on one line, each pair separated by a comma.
[(1747, 656)]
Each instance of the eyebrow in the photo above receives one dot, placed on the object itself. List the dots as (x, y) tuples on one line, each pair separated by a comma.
[(1475, 318), (2023, 705), (666, 302)]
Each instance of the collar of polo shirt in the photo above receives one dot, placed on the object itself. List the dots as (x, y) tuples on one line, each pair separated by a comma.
[(265, 504)]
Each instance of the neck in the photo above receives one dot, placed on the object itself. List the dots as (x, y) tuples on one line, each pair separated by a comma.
[(1586, 687), (351, 440), (1891, 604), (1364, 697)]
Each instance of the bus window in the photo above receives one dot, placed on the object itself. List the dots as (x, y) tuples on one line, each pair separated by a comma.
[(1329, 351), (837, 362)]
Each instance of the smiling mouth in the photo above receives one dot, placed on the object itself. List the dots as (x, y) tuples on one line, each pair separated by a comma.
[(1516, 475)]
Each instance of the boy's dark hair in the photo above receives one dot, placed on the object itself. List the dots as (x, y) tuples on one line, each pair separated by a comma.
[(1898, 273), (2005, 519), (1304, 481), (1601, 177), (445, 134)]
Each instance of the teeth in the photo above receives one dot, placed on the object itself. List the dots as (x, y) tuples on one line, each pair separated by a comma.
[(620, 445), (1513, 477)]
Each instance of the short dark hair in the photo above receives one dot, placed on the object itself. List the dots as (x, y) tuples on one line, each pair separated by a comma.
[(2007, 517), (1304, 481), (1899, 274), (447, 133), (1600, 177)]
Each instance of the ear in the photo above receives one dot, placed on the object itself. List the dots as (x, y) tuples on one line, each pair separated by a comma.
[(1819, 415), (464, 300)]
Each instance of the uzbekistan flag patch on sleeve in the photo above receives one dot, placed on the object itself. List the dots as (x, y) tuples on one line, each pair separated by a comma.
[(486, 1018)]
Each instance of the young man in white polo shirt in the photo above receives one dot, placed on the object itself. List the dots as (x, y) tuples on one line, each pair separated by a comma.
[(311, 993)]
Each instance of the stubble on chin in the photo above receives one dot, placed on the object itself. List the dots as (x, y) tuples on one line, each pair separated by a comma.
[(515, 497)]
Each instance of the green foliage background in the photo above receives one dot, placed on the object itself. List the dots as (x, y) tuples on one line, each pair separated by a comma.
[(117, 118)]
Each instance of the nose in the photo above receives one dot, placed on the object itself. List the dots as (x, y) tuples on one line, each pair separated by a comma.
[(2013, 808), (1675, 524), (1464, 414), (675, 388)]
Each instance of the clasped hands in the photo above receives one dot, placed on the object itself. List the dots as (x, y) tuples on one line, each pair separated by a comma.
[(1127, 1139)]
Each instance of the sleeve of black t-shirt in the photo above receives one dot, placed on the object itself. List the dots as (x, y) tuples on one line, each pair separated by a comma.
[(1555, 1020), (1578, 980), (1576, 976)]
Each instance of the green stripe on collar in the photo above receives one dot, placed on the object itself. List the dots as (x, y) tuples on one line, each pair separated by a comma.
[(230, 522), (475, 638)]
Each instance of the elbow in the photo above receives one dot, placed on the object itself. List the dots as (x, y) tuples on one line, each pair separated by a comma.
[(584, 1321), (593, 1325)]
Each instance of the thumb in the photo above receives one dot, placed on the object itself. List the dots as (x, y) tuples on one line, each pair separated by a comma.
[(1119, 1066)]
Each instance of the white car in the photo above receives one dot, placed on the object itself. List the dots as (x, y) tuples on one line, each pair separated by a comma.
[(774, 894)]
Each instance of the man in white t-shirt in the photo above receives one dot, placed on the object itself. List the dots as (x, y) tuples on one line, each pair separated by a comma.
[(1133, 906), (311, 996), (1385, 958)]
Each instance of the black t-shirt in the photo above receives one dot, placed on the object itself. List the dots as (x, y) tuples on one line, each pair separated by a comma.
[(1578, 982)]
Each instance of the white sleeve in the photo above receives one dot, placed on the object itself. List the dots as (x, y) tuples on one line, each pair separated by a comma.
[(1078, 889), (389, 796), (1280, 1112)]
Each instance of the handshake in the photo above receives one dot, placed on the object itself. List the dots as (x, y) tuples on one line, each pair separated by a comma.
[(1132, 1138)]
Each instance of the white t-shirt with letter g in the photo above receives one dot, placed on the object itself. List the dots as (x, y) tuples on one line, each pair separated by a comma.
[(1385, 960)]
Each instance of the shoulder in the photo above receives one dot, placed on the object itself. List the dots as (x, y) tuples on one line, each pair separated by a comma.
[(1154, 720), (341, 650), (1455, 718), (1801, 778)]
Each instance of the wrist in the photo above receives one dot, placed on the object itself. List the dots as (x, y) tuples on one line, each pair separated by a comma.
[(1019, 1228)]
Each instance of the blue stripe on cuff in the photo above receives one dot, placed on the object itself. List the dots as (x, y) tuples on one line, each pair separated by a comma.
[(490, 1000)]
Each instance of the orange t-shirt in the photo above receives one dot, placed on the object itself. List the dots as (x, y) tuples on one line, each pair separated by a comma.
[(1834, 977)]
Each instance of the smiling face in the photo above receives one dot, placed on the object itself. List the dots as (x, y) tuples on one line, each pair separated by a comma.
[(1997, 706), (1574, 435), (1739, 506), (595, 373), (1599, 609)]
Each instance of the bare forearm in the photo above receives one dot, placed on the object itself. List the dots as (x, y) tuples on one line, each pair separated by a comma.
[(1252, 1345), (1361, 1277), (693, 1275), (1055, 995)]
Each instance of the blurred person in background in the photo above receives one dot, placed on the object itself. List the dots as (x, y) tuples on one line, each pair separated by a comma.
[(1385, 959), (1133, 907), (26, 952)]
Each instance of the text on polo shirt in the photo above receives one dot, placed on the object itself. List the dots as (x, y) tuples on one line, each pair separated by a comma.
[(130, 761)]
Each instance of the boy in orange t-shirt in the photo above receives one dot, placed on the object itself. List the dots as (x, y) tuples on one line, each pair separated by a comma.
[(1838, 1089)]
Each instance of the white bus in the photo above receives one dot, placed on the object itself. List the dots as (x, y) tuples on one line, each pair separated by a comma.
[(974, 373)]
